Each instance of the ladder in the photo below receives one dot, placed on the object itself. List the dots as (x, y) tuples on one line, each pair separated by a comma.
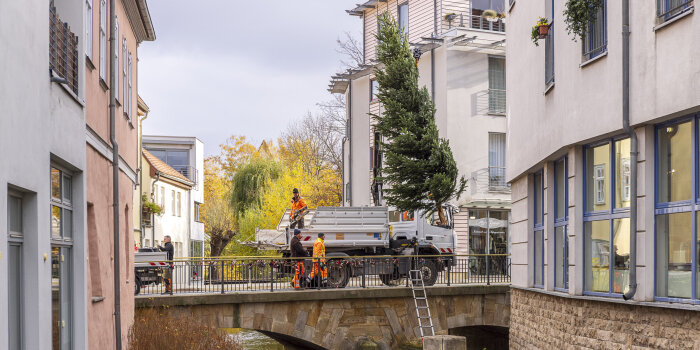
[(420, 298)]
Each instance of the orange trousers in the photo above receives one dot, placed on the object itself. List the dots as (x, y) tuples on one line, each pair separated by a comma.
[(315, 270), (298, 274)]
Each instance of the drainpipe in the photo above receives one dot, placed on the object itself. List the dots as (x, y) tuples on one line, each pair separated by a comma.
[(140, 158), (115, 176), (349, 102), (633, 146), (432, 53), (342, 173), (153, 222)]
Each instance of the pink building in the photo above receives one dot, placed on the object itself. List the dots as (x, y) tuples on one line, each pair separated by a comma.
[(133, 26)]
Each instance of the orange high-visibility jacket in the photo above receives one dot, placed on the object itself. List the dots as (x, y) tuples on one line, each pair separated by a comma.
[(319, 250), (296, 205)]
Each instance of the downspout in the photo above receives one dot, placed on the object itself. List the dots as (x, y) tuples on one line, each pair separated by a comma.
[(115, 176), (633, 147), (140, 158), (432, 53), (342, 174), (350, 133)]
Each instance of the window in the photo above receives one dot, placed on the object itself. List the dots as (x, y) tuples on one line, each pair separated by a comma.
[(162, 197), (129, 96), (595, 42), (479, 22), (561, 225), (373, 90), (103, 39), (115, 84), (403, 17), (488, 234), (179, 205), (497, 161), (497, 85), (125, 85), (197, 217), (155, 194), (677, 206), (668, 9), (173, 202), (549, 46), (15, 266), (538, 228), (606, 219), (88, 28), (61, 258)]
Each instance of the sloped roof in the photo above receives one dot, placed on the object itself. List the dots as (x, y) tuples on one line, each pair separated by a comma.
[(165, 170)]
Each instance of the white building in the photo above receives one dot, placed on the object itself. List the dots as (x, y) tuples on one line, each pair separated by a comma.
[(571, 165), (462, 64), (43, 287), (179, 190)]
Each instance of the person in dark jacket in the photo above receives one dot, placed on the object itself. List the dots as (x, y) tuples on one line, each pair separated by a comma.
[(298, 251), (167, 272)]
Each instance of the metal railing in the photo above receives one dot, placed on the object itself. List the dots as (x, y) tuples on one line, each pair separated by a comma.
[(474, 21), (63, 50), (497, 101), (667, 9), (268, 274), (187, 171), (595, 41), (491, 179)]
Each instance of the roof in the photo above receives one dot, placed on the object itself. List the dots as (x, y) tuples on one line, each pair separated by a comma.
[(360, 9), (165, 170), (140, 19)]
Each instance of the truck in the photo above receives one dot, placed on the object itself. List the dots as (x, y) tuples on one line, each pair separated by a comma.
[(385, 239), (148, 267)]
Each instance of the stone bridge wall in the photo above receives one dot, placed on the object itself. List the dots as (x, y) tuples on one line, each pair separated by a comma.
[(340, 319)]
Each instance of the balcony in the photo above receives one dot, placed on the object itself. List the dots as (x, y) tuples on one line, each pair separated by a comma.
[(491, 102), (491, 179), (63, 50), (187, 171), (473, 20)]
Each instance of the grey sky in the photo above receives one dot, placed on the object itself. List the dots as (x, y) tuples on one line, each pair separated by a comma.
[(224, 67)]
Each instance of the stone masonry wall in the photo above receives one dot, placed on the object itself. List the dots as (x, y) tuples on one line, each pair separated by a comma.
[(542, 321)]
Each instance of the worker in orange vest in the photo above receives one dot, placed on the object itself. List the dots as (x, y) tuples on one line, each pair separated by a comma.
[(299, 209), (319, 261)]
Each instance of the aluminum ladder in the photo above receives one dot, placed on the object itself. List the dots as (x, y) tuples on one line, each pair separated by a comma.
[(420, 298)]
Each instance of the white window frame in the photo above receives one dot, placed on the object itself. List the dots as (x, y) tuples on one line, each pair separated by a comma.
[(129, 98), (399, 17), (125, 86), (599, 184), (103, 39), (115, 85), (179, 204), (172, 192), (88, 29), (625, 179)]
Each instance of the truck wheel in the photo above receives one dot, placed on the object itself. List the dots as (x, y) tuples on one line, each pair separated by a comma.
[(137, 286), (391, 279), (338, 275), (430, 272)]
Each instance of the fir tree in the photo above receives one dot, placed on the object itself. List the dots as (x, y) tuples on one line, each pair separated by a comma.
[(419, 166)]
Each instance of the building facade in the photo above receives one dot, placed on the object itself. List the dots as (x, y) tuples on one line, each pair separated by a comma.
[(133, 26), (43, 300), (176, 183), (462, 64), (571, 163)]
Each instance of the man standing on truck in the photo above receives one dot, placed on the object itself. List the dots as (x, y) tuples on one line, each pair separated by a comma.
[(297, 251), (299, 209), (168, 271), (319, 262)]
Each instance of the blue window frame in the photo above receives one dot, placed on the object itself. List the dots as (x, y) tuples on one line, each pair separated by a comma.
[(561, 225), (595, 41), (538, 228), (606, 217), (549, 47), (676, 210), (668, 9)]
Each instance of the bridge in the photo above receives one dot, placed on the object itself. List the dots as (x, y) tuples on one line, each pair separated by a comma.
[(253, 293)]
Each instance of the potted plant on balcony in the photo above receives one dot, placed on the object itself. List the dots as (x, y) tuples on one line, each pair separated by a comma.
[(150, 207), (450, 16), (578, 14), (540, 30), (490, 15)]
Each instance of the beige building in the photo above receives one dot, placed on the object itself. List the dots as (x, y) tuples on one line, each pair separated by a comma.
[(462, 63), (572, 170)]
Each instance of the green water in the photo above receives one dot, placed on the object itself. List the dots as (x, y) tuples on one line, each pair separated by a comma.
[(254, 340)]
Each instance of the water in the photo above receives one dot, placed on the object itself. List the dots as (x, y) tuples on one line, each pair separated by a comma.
[(254, 340)]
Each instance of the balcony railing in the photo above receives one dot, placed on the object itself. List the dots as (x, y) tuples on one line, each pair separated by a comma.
[(474, 21), (63, 50), (667, 9), (497, 101), (491, 179), (187, 171)]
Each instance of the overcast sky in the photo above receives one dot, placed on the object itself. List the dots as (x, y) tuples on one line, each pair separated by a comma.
[(224, 67)]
